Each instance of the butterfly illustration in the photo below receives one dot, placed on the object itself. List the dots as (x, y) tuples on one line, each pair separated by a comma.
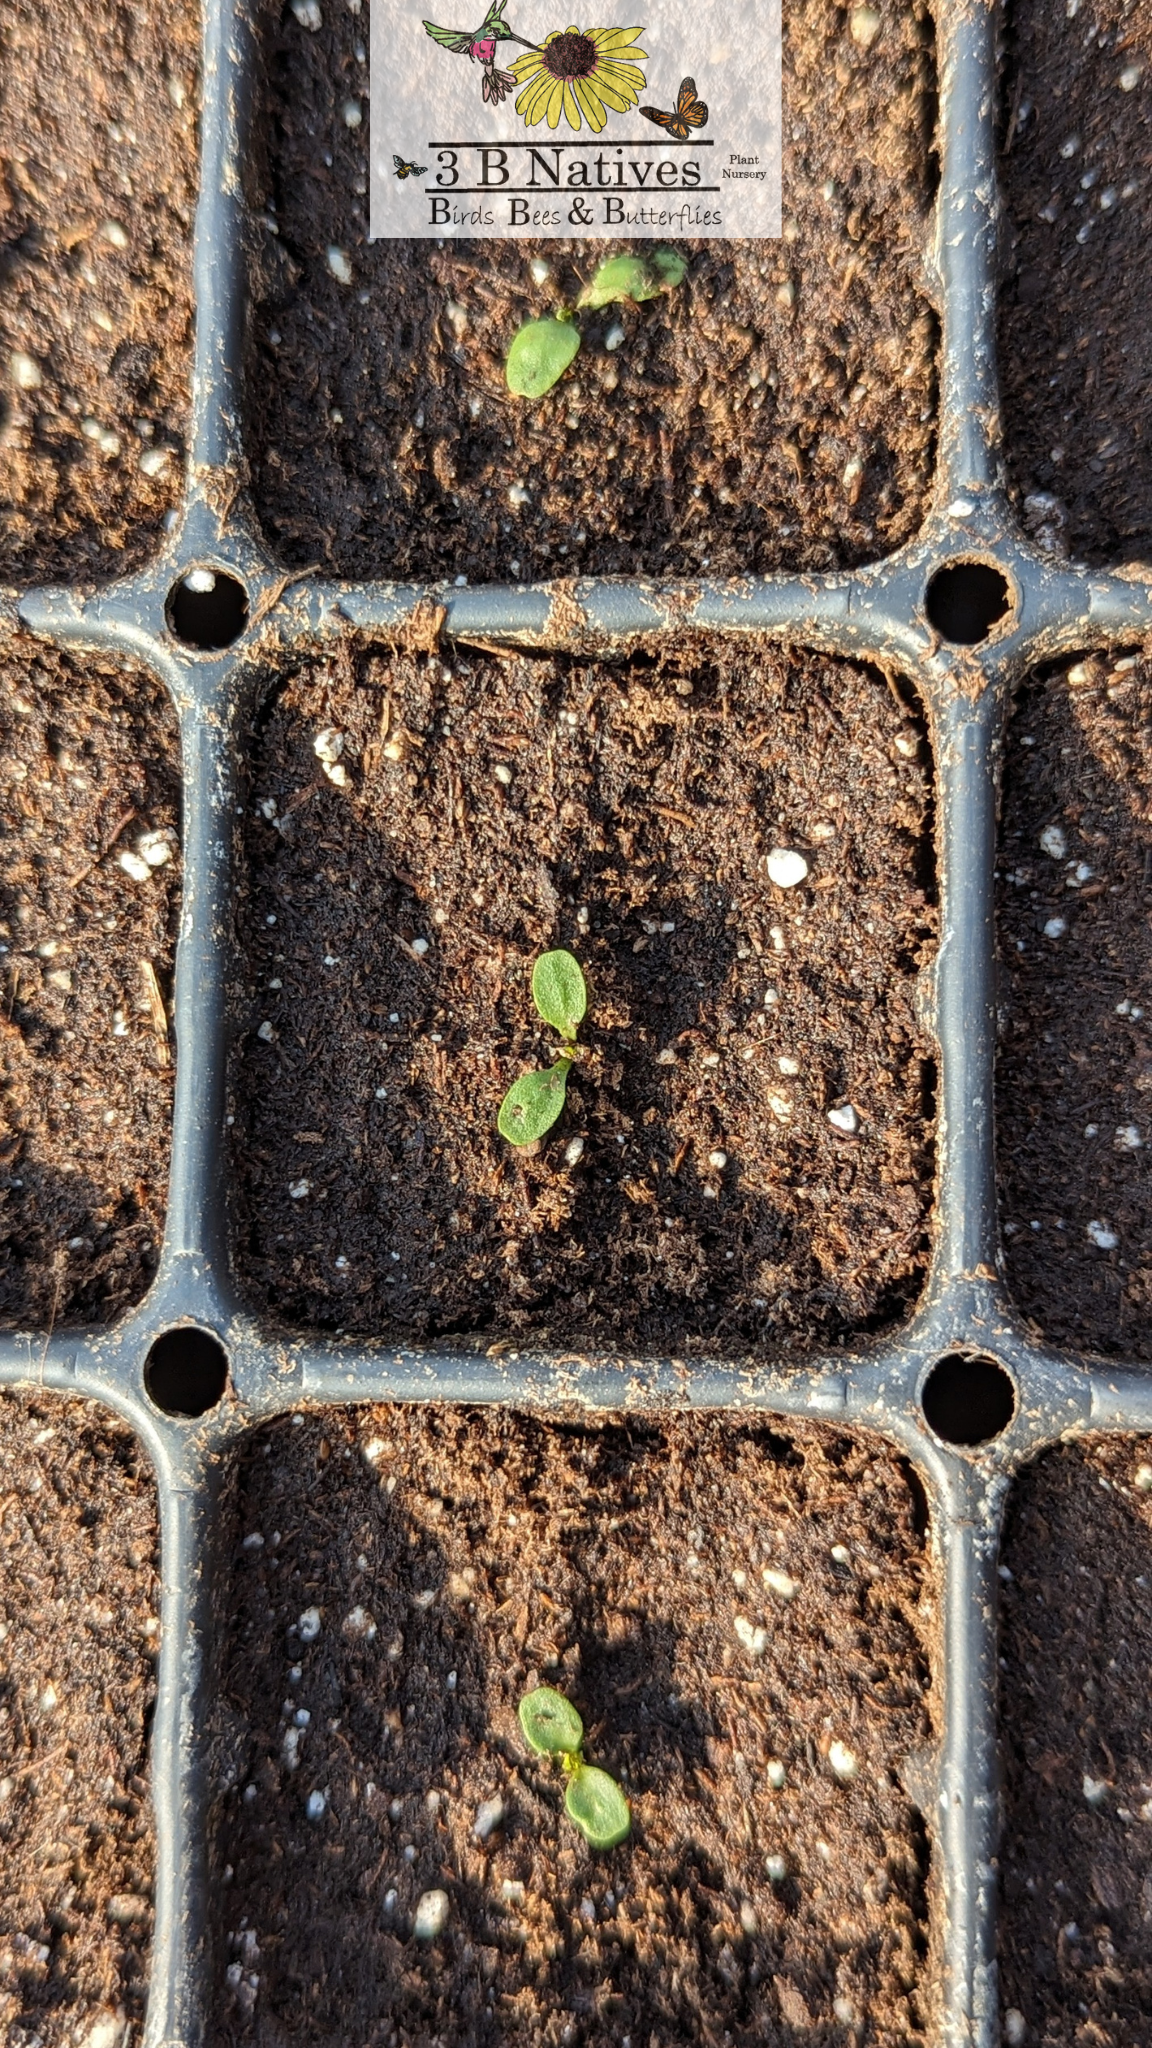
[(404, 170), (690, 112)]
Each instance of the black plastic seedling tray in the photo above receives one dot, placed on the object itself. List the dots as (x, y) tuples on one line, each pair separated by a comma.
[(963, 1390)]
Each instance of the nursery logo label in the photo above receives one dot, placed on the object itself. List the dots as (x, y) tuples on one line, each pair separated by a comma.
[(521, 126)]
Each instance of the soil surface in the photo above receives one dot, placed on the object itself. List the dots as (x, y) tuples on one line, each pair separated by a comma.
[(456, 1559), (97, 191), (1076, 1941), (78, 1635), (778, 409), (1075, 339), (89, 765), (1074, 1089), (493, 808)]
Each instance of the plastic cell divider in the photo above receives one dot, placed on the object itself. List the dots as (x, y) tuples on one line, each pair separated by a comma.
[(879, 612)]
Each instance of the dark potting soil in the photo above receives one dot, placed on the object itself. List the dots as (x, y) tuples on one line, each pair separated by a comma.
[(777, 410), (1075, 339), (451, 1560), (78, 1634), (492, 808), (97, 190), (1076, 1939), (89, 765), (1074, 1087)]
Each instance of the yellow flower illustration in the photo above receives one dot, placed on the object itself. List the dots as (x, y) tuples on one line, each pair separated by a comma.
[(580, 72)]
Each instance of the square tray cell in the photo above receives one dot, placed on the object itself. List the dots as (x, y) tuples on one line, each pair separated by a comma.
[(78, 1636), (1074, 1083), (1075, 344), (98, 146), (418, 830), (735, 1616), (777, 409), (1076, 1641), (89, 768)]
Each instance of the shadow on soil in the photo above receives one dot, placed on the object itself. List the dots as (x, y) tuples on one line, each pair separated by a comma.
[(1074, 1061), (72, 1252), (406, 1735), (1076, 1642), (708, 1209)]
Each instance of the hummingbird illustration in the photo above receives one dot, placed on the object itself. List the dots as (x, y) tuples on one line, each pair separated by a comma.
[(479, 46)]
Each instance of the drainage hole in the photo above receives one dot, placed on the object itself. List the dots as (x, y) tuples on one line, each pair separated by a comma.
[(186, 1371), (968, 1400), (208, 609), (965, 600)]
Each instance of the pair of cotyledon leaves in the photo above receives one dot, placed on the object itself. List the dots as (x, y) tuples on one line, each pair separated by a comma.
[(543, 349), (593, 1801), (534, 1102)]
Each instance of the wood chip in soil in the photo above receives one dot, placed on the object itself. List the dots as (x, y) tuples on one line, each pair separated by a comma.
[(89, 767), (1075, 340), (78, 1636), (448, 1561), (487, 809), (1074, 1077), (1076, 1644), (98, 173), (777, 410)]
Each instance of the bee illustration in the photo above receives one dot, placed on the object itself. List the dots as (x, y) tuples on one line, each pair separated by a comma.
[(404, 170), (690, 112)]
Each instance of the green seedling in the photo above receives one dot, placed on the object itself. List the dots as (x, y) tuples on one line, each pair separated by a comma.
[(540, 354), (542, 350), (534, 1102), (634, 277), (593, 1801)]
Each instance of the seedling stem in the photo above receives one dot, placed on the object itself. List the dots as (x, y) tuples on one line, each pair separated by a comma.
[(593, 1801), (534, 1102)]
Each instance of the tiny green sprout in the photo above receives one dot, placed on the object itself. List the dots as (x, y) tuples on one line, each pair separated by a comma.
[(593, 1801), (559, 992), (634, 277), (551, 1725), (595, 1804), (534, 1102), (541, 350), (540, 354)]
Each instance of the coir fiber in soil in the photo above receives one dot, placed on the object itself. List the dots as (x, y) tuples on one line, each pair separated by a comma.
[(78, 1634), (492, 808), (97, 190), (1074, 1090), (1075, 341), (778, 409), (1076, 1938), (453, 1561), (89, 765)]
